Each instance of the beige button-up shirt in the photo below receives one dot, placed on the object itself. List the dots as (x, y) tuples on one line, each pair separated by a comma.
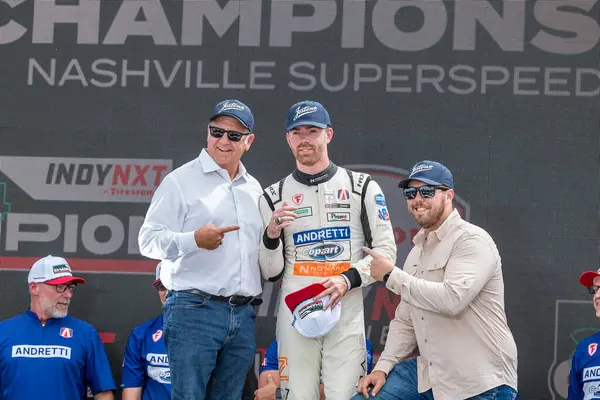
[(452, 308)]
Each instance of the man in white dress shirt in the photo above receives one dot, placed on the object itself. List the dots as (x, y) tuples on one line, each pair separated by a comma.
[(204, 220)]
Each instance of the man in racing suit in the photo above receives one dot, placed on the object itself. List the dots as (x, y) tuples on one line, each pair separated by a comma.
[(318, 219)]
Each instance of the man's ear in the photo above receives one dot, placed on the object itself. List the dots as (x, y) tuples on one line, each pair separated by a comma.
[(248, 141)]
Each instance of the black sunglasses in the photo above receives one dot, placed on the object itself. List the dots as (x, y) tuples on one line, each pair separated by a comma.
[(63, 288), (426, 191), (593, 289), (218, 133)]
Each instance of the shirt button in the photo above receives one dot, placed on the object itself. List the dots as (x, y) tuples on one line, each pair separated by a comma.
[(425, 340), (422, 318), (421, 272), (430, 363)]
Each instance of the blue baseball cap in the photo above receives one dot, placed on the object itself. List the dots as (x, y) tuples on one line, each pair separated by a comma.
[(307, 113), (235, 109), (430, 173)]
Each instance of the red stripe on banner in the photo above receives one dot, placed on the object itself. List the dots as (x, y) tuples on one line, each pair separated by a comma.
[(108, 337), (86, 264)]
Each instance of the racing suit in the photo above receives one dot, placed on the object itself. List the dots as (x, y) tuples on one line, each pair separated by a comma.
[(339, 212)]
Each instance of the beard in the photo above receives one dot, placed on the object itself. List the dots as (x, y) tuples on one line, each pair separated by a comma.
[(309, 158), (51, 308), (430, 217)]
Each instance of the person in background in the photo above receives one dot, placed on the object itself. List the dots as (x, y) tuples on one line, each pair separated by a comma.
[(145, 374), (47, 354)]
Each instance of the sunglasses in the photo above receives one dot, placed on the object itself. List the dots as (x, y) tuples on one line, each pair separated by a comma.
[(218, 133), (426, 191), (593, 289)]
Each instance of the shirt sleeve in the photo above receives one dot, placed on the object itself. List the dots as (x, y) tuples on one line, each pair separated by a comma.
[(472, 264), (575, 387), (271, 361), (369, 356), (98, 374), (381, 234), (161, 236), (133, 371), (401, 340), (270, 256)]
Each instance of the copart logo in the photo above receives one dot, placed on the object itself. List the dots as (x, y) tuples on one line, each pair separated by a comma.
[(325, 251), (403, 224), (86, 179)]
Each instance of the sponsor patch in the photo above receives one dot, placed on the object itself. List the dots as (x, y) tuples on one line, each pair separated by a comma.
[(337, 205), (319, 235), (592, 347), (41, 351), (338, 216), (590, 373), (283, 363), (380, 200), (157, 335), (67, 333), (343, 194), (303, 212), (59, 269), (320, 269), (324, 251), (158, 359), (383, 214), (160, 374), (297, 199)]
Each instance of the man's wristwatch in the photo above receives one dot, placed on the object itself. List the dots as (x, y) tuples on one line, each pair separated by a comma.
[(386, 277)]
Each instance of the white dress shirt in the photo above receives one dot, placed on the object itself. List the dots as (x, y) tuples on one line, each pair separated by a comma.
[(195, 194)]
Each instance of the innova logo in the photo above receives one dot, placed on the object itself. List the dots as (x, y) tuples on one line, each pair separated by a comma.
[(402, 222)]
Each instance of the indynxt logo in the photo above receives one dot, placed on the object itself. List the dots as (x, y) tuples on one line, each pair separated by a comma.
[(86, 179), (303, 212)]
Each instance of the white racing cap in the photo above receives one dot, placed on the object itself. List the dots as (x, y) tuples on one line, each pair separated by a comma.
[(308, 316)]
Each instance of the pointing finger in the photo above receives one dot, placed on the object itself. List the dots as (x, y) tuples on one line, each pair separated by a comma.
[(230, 228), (370, 252)]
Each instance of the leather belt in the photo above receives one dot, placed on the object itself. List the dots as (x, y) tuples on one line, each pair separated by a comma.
[(234, 300)]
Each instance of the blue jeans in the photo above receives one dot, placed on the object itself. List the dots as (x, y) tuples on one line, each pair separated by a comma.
[(401, 384), (210, 345)]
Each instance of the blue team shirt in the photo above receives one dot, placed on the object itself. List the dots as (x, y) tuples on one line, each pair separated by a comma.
[(146, 364), (271, 361), (584, 379), (57, 361)]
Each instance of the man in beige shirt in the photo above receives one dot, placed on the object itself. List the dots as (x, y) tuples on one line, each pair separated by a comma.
[(452, 306)]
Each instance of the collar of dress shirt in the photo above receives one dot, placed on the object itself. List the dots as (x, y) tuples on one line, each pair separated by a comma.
[(440, 232), (209, 165)]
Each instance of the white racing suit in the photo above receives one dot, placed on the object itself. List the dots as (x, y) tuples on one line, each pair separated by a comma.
[(339, 212)]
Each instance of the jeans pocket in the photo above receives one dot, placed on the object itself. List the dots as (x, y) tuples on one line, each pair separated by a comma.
[(187, 300)]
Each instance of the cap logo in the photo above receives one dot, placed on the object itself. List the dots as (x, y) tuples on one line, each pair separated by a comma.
[(310, 308), (300, 111), (420, 168), (231, 106), (59, 269)]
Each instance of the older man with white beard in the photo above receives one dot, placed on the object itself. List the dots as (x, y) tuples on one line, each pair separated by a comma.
[(45, 354)]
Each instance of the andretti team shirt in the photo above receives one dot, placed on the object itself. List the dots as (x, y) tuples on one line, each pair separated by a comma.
[(57, 361), (271, 360), (584, 379), (146, 364)]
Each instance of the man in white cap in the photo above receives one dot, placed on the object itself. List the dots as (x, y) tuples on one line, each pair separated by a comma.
[(46, 354), (584, 379), (146, 373)]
